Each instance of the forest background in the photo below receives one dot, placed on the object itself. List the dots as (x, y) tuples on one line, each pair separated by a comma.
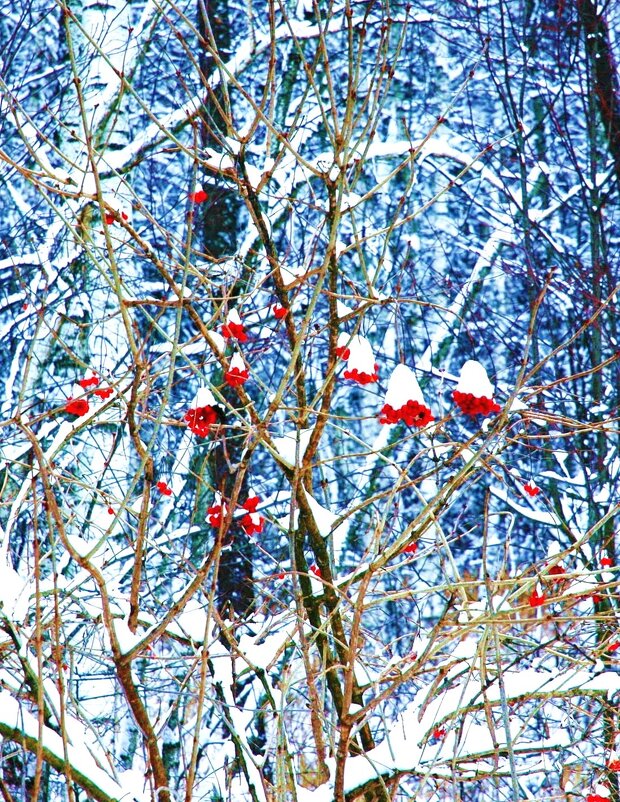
[(310, 400)]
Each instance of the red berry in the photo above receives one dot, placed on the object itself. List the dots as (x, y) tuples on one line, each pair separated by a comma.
[(536, 599), (199, 196), (77, 407)]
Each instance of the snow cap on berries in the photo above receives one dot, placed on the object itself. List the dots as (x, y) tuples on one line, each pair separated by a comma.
[(234, 327), (404, 400), (199, 196), (237, 374), (202, 413), (600, 793), (234, 317), (252, 523), (203, 398), (536, 598), (342, 346), (237, 362), (474, 391), (473, 379), (361, 366), (613, 764), (217, 511)]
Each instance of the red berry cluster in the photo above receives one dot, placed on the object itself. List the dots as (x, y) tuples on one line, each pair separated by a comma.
[(471, 405), (235, 330), (201, 420), (362, 378), (412, 413), (235, 377)]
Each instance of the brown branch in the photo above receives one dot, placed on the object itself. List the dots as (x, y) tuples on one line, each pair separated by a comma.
[(122, 662), (143, 518)]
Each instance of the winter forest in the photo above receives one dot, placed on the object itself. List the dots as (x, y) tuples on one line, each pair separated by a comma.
[(310, 431)]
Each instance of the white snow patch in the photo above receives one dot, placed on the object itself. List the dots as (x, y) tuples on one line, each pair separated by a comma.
[(403, 387), (203, 398), (218, 341), (290, 275), (85, 548), (237, 362), (14, 592), (342, 310), (325, 520), (517, 405), (473, 379), (343, 339), (127, 639), (233, 317), (543, 517), (292, 446), (361, 357), (16, 717)]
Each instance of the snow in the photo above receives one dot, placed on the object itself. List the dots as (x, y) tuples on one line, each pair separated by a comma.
[(443, 332), (361, 356), (292, 445), (14, 592), (343, 339), (191, 622), (403, 387), (516, 405), (557, 477), (405, 747), (233, 317), (350, 201), (264, 649), (127, 640), (237, 362), (14, 716), (342, 310), (203, 398), (325, 521), (473, 379), (291, 274), (87, 549), (134, 785), (541, 516), (218, 341), (375, 482)]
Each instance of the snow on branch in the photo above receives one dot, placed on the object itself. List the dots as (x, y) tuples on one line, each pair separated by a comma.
[(20, 726)]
